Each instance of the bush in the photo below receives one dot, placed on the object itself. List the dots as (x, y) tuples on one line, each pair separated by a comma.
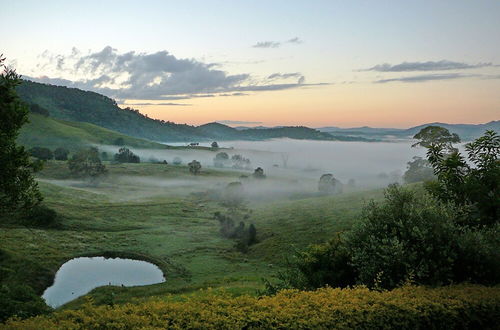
[(455, 307), (194, 167), (221, 159), (318, 266), (42, 216), (20, 300), (87, 164), (41, 153), (61, 153), (406, 237)]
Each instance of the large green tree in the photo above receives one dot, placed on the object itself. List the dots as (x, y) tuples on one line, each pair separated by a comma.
[(18, 189), (436, 136)]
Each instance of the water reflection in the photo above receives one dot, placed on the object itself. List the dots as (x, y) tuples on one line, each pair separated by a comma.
[(80, 275)]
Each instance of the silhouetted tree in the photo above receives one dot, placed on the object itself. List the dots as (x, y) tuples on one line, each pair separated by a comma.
[(215, 145), (436, 136)]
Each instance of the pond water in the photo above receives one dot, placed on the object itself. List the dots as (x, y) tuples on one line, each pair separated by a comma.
[(80, 275)]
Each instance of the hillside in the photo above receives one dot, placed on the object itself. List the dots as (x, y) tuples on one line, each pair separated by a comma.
[(51, 133), (72, 104)]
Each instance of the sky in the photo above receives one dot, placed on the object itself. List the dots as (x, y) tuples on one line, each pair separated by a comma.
[(313, 63)]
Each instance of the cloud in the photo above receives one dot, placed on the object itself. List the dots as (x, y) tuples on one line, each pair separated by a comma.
[(151, 76), (267, 44), (426, 66), (285, 75), (426, 77), (295, 40), (238, 122)]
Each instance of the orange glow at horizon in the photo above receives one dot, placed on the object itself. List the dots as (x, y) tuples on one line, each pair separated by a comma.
[(362, 104)]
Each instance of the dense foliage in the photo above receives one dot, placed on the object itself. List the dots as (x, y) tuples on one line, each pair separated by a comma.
[(61, 153), (455, 307), (87, 164), (194, 167), (418, 170), (41, 153), (20, 300), (18, 189), (125, 155), (476, 183)]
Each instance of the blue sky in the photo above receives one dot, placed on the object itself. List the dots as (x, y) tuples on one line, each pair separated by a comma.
[(333, 42)]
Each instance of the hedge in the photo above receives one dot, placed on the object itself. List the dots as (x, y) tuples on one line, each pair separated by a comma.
[(410, 307)]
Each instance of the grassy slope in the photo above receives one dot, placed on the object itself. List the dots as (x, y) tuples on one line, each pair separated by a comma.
[(176, 231), (52, 133)]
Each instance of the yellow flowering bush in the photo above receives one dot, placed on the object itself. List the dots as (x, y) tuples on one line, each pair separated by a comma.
[(409, 307)]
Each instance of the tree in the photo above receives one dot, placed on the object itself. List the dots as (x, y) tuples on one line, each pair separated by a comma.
[(418, 169), (259, 173), (474, 186), (18, 188), (436, 136), (221, 159), (252, 234), (124, 155), (234, 194), (61, 153), (194, 167), (87, 164), (41, 153), (177, 161), (329, 185), (240, 162), (215, 145)]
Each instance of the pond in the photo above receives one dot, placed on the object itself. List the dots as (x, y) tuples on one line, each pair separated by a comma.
[(80, 275)]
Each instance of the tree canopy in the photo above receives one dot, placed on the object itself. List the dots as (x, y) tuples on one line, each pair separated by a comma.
[(18, 188)]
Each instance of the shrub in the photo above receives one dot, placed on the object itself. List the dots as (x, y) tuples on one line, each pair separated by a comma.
[(455, 307), (194, 167), (20, 300), (61, 153), (320, 265), (258, 173), (406, 237), (41, 153), (87, 164), (418, 170), (329, 185), (42, 216)]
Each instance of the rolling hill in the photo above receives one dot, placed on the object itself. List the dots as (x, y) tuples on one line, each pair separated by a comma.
[(52, 133)]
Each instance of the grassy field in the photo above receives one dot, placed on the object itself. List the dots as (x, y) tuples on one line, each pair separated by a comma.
[(148, 211), (51, 133)]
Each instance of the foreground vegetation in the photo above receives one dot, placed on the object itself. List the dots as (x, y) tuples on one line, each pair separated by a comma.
[(455, 307)]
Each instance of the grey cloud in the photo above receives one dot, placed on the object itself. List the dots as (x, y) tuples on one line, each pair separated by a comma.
[(238, 122), (285, 75), (153, 76), (425, 77), (426, 66), (295, 40), (267, 44)]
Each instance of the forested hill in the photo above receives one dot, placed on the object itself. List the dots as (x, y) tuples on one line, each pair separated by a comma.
[(76, 105), (82, 106)]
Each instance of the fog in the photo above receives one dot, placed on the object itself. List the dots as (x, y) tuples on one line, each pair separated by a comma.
[(303, 158), (292, 167)]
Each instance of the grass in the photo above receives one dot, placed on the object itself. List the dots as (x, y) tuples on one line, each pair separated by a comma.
[(129, 215), (51, 133)]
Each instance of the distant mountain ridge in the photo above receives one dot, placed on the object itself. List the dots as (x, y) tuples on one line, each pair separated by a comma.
[(466, 132), (75, 105)]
